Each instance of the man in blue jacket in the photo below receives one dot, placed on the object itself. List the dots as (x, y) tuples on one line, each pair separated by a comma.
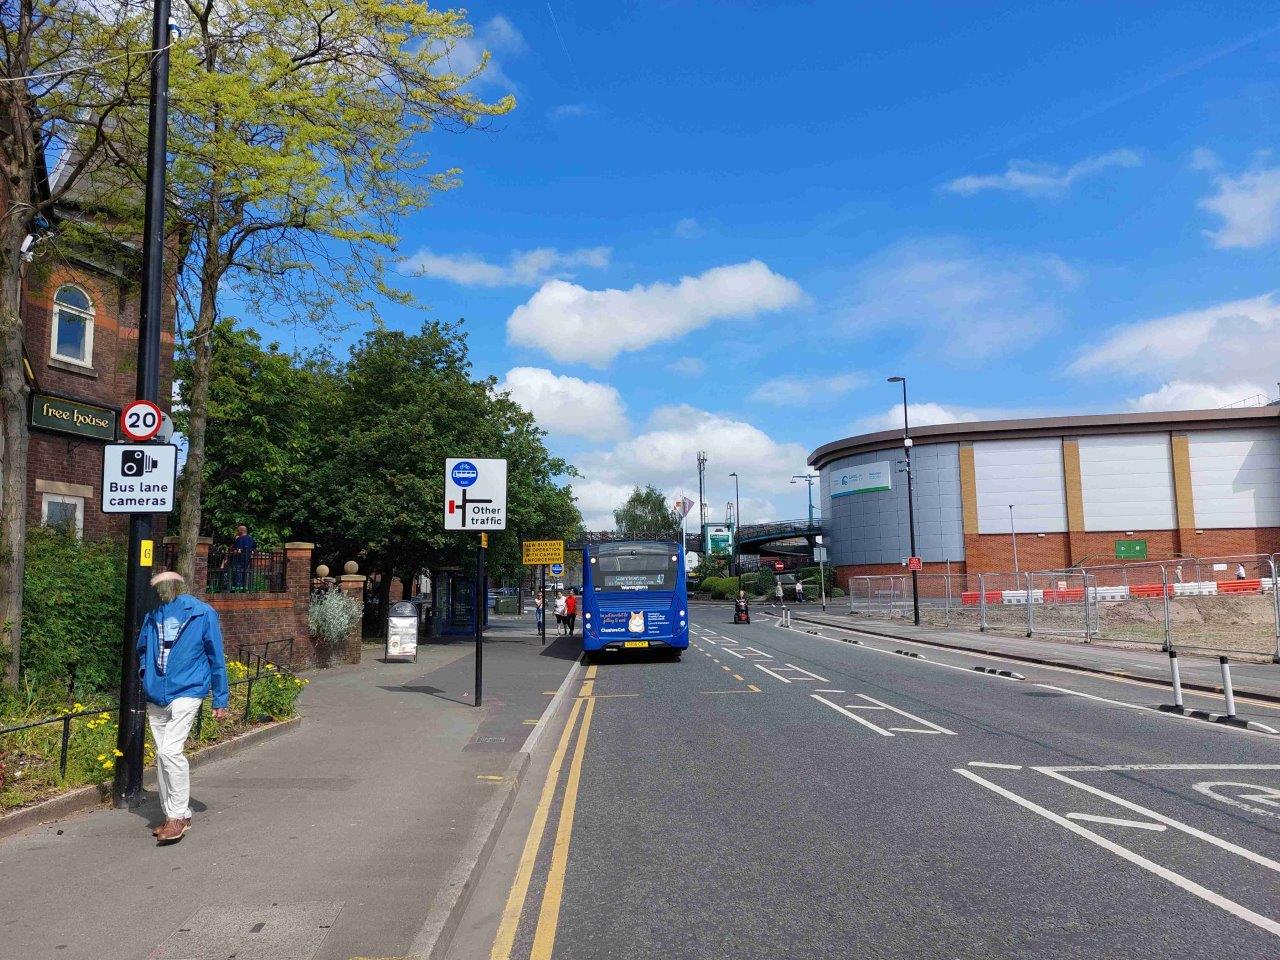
[(180, 653)]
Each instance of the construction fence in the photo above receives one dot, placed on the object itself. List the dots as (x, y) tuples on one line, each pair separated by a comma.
[(1218, 604)]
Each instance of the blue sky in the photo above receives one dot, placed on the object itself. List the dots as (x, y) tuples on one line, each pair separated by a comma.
[(720, 226)]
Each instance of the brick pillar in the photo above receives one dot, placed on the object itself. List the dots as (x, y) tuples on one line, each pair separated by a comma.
[(352, 584), (200, 587), (297, 583)]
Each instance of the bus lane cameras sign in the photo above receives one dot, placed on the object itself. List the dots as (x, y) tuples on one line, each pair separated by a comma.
[(139, 477), (475, 494)]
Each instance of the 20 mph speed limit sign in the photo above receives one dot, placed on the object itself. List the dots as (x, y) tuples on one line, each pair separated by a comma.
[(140, 420)]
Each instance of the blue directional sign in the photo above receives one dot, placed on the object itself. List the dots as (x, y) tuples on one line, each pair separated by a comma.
[(464, 473)]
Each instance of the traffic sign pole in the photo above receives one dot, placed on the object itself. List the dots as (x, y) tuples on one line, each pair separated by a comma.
[(138, 595), (542, 587), (480, 608)]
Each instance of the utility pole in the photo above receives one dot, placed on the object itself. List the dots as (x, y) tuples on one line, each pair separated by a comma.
[(807, 478), (127, 783), (911, 512), (702, 495)]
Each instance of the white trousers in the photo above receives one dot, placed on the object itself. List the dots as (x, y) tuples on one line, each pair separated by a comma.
[(169, 728)]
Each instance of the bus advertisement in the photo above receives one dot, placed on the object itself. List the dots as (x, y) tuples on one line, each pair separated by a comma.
[(633, 597)]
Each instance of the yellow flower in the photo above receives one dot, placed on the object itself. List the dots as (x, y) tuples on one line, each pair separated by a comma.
[(117, 753), (104, 715), (108, 764), (78, 707), (102, 756)]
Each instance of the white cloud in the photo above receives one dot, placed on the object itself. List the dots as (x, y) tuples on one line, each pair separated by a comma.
[(927, 414), (497, 36), (1208, 357), (567, 111), (572, 323), (1041, 180), (523, 268), (665, 455), (687, 228), (567, 405), (688, 366), (1202, 158), (794, 391), (1181, 395), (968, 305), (1249, 206)]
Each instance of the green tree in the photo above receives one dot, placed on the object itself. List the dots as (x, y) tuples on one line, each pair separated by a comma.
[(266, 412), (69, 71), (297, 143), (647, 515)]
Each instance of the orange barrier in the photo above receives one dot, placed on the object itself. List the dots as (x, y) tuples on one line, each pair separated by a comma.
[(1239, 586), (1068, 595), (1150, 589), (970, 597)]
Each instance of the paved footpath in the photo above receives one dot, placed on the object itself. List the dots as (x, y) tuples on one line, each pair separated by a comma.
[(339, 840), (1257, 679), (779, 794)]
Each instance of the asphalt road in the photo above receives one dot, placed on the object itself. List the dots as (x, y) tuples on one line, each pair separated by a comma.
[(778, 794)]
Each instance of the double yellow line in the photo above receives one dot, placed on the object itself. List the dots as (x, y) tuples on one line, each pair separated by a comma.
[(544, 937)]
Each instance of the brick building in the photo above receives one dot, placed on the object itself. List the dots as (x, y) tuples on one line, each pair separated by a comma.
[(80, 304), (1085, 490)]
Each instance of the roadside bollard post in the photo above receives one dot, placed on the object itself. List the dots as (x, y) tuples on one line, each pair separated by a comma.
[(982, 604), (1275, 606), (1031, 615), (1168, 623), (1177, 679), (1227, 692)]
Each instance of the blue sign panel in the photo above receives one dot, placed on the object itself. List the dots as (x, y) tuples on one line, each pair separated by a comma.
[(557, 569), (465, 473)]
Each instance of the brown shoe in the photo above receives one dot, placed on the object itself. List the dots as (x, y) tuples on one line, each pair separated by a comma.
[(171, 831), (156, 830)]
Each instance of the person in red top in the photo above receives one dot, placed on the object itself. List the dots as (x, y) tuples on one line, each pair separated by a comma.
[(571, 610)]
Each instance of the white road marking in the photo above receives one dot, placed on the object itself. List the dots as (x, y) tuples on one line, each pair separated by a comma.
[(1267, 795), (761, 666), (828, 691), (807, 673), (1116, 767), (1227, 845), (910, 716), (995, 766), (1117, 821), (852, 716), (1177, 879), (734, 652), (1152, 710)]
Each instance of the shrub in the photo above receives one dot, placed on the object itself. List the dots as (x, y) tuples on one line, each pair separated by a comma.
[(72, 611), (331, 617)]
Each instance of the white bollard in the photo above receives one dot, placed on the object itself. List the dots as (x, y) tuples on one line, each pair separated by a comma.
[(1177, 678), (1226, 687)]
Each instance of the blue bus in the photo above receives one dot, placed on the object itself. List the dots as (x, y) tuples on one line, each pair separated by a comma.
[(633, 597)]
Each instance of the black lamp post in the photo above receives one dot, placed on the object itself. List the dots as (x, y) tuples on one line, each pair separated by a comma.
[(911, 512), (807, 478), (737, 528)]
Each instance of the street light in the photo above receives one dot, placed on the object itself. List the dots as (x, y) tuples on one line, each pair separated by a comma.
[(737, 528), (1013, 532), (808, 478), (911, 512)]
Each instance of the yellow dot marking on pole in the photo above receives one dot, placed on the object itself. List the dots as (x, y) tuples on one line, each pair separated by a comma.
[(506, 938), (544, 937), (146, 553)]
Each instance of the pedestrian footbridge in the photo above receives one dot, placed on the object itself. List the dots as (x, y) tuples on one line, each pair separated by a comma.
[(751, 536)]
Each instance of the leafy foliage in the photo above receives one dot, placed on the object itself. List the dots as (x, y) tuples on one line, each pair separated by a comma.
[(73, 606), (331, 616), (647, 514)]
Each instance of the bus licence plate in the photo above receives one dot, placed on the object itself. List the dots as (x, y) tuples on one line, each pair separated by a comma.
[(635, 643)]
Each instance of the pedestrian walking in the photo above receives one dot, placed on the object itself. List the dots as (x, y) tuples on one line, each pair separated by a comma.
[(180, 652), (242, 548), (571, 610), (1240, 574), (539, 611), (799, 591), (777, 592), (560, 609)]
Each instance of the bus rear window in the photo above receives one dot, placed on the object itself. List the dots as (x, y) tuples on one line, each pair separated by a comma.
[(634, 568)]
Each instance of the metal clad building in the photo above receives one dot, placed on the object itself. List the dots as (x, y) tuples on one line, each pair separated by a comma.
[(1195, 483)]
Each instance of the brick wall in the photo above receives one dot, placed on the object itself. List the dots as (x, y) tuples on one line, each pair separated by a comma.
[(250, 619)]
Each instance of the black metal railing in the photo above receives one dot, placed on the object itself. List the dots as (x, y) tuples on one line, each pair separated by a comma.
[(262, 571), (257, 662)]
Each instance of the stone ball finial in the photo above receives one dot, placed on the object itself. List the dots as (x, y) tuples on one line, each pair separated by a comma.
[(322, 571), (351, 568)]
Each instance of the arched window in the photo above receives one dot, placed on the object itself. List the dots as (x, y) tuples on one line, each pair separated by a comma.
[(73, 326)]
